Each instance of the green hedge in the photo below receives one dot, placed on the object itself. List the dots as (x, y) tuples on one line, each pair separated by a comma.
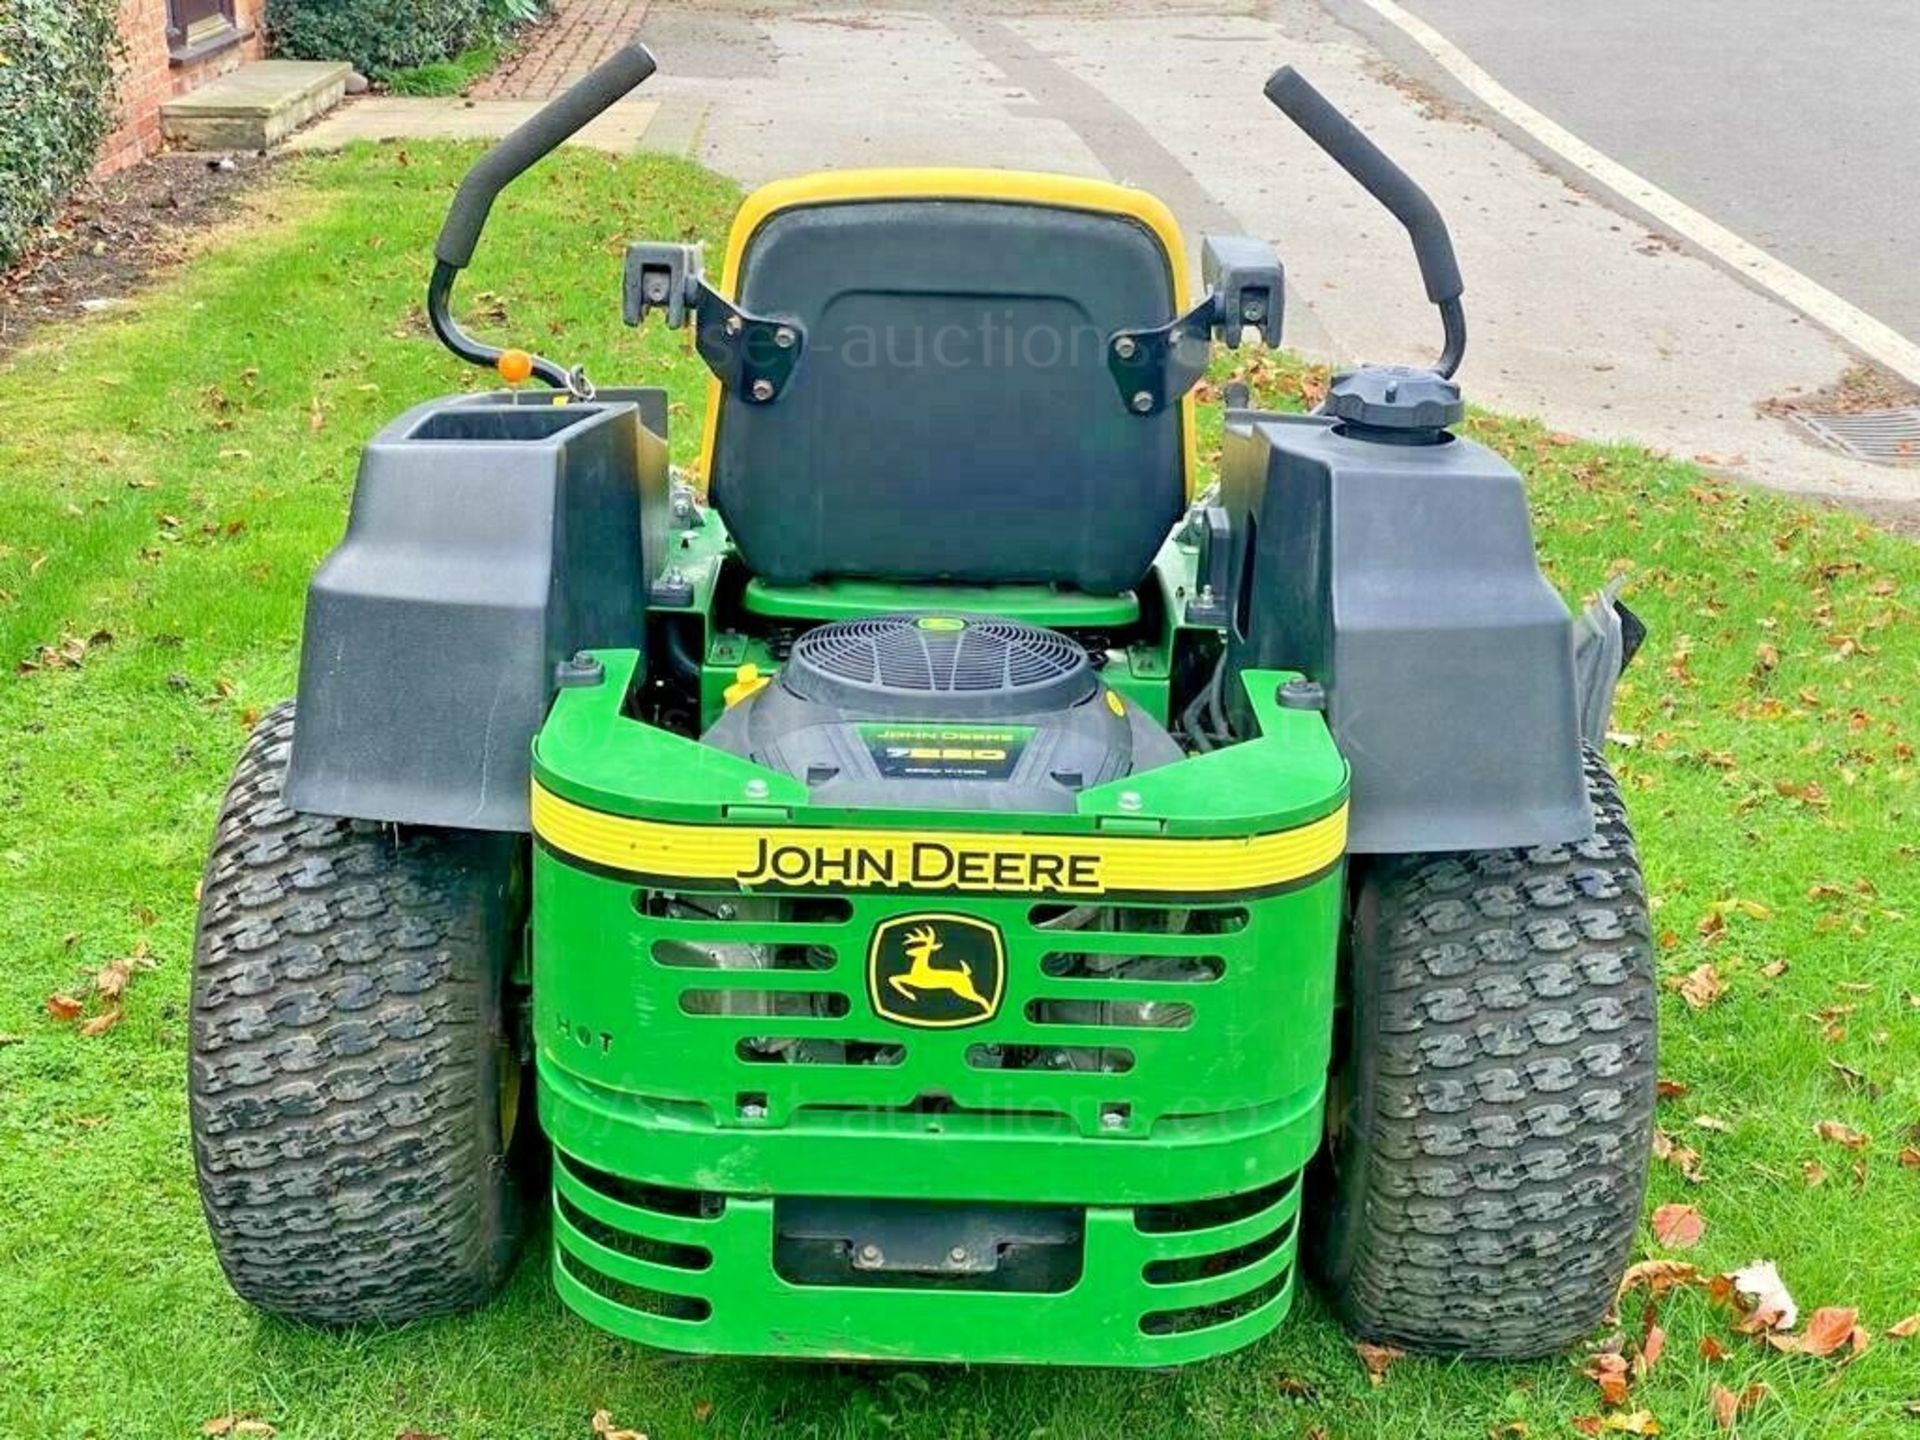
[(381, 36), (56, 106)]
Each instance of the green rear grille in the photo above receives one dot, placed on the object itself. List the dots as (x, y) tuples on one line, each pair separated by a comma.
[(759, 1013), (1152, 1074)]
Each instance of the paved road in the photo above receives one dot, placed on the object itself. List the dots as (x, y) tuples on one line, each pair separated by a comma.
[(1576, 313), (1796, 126)]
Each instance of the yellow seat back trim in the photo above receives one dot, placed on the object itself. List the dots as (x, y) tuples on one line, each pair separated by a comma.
[(1009, 187)]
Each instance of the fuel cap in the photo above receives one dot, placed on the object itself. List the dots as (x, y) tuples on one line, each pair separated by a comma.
[(1406, 404)]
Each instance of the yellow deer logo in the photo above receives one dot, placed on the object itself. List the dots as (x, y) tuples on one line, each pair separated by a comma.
[(922, 975)]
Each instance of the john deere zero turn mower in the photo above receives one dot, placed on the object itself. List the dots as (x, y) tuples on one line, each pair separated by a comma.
[(953, 888)]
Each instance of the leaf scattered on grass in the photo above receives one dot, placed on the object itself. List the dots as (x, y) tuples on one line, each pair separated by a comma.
[(1839, 1134), (605, 1429), (64, 1007), (1904, 1329), (1714, 1123), (100, 1024), (1769, 1304), (1609, 1372), (1831, 1327), (1671, 1089), (110, 980), (1678, 1227), (1377, 1358), (1653, 1344), (1683, 1158), (1700, 986), (1621, 1422), (1658, 1277), (1728, 1407), (237, 1425)]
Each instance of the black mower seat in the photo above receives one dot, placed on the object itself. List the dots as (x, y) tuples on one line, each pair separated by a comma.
[(952, 416)]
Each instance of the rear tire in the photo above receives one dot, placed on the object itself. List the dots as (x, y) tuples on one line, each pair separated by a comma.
[(1490, 1121), (352, 1078)]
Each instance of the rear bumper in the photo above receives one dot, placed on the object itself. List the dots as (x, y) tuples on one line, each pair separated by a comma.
[(696, 1272)]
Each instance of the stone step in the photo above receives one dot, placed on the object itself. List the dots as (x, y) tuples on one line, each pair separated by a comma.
[(258, 105)]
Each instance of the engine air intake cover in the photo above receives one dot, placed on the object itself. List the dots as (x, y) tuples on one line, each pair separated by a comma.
[(942, 712), (939, 664)]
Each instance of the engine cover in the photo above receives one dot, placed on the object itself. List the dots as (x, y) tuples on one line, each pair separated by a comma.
[(942, 712)]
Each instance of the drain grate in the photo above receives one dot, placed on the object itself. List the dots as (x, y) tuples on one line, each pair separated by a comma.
[(1890, 437)]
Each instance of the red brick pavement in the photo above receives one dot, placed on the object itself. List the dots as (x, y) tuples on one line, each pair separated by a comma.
[(574, 38)]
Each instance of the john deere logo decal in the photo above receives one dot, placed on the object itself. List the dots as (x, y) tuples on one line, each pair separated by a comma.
[(938, 972)]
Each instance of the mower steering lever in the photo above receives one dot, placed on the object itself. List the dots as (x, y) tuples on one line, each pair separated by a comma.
[(1393, 188), (533, 141)]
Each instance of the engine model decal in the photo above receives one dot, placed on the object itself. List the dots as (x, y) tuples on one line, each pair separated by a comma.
[(945, 752), (794, 857)]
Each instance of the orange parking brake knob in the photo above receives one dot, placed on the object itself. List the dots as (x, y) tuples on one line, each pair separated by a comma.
[(514, 366)]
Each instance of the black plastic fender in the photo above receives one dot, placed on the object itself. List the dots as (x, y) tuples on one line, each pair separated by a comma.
[(1402, 578), (491, 537)]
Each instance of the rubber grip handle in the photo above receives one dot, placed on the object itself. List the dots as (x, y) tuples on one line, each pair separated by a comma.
[(1384, 180), (565, 115)]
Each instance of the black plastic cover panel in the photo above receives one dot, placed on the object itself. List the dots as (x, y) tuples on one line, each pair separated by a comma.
[(952, 417), (1403, 579), (941, 712), (490, 538)]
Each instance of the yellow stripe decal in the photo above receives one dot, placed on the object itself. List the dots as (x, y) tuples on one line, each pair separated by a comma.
[(805, 857)]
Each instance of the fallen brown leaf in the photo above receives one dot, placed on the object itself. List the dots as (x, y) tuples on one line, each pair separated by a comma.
[(1910, 1157), (63, 1007), (110, 980), (1377, 1359), (1686, 1160), (1714, 1123), (1700, 986), (1814, 1173), (1653, 1344), (1904, 1329), (1726, 1406), (604, 1427), (1840, 1134), (1678, 1227), (1671, 1089), (1830, 1327), (1658, 1277), (1712, 1348), (1621, 1422), (1609, 1372), (237, 1425), (100, 1024)]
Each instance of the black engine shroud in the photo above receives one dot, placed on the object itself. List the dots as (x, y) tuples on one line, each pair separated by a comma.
[(942, 712)]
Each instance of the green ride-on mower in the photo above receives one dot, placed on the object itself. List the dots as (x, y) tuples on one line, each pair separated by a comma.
[(960, 886)]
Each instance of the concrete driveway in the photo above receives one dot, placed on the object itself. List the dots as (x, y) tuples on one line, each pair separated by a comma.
[(1576, 312)]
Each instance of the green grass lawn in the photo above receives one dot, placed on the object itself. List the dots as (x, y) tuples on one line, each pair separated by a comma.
[(444, 77), (170, 474)]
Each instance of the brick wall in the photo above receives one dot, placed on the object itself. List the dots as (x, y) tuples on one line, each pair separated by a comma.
[(149, 78)]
